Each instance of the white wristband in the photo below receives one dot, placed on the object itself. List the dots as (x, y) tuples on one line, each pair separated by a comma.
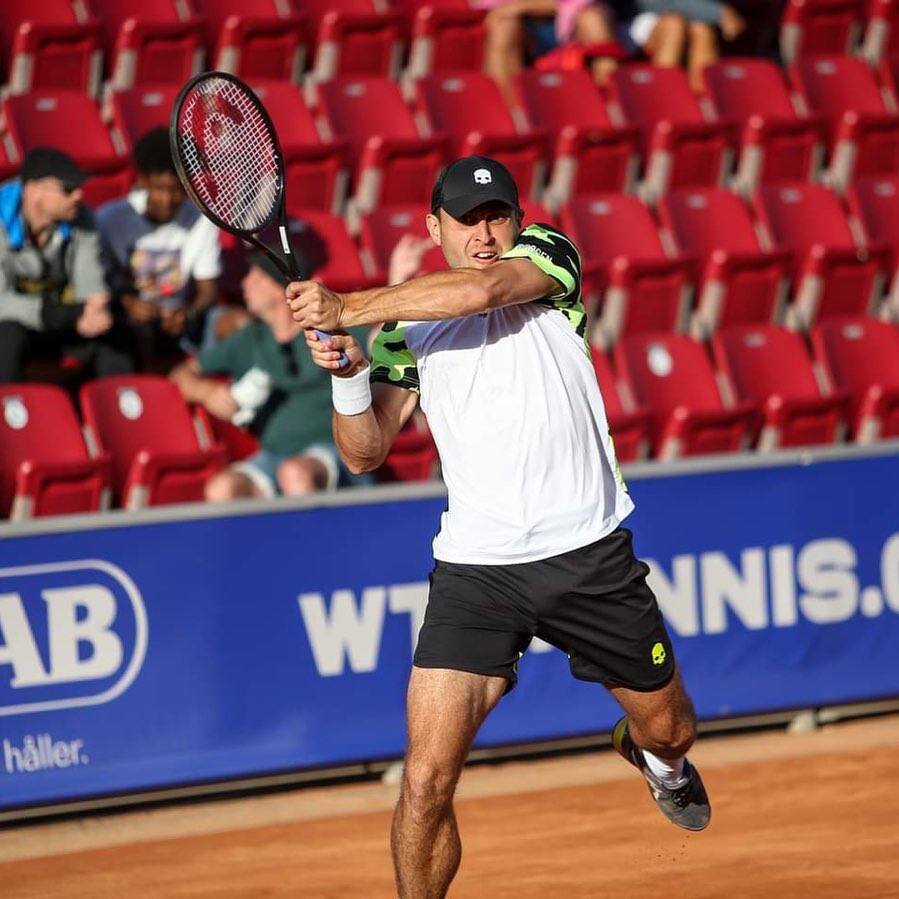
[(351, 396)]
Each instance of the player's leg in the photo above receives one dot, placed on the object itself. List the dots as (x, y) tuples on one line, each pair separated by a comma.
[(661, 722), (476, 626), (445, 708), (609, 623)]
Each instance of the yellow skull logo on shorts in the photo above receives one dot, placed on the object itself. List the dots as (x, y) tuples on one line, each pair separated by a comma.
[(658, 654)]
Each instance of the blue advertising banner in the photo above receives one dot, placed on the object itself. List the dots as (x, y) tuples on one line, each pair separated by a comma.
[(168, 652)]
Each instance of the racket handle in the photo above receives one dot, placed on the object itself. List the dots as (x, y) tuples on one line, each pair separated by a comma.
[(324, 335)]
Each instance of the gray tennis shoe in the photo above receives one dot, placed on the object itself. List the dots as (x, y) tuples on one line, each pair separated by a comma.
[(687, 806)]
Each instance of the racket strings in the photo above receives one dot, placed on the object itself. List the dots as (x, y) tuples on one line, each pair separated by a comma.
[(229, 154)]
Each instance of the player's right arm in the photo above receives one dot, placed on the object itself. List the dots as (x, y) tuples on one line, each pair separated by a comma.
[(364, 439)]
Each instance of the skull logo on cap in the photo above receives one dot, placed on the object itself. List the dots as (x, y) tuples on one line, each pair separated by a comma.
[(482, 176)]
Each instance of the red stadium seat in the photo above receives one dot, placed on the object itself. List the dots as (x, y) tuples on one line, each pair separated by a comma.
[(45, 468), (680, 147), (819, 26), (256, 38), (322, 239), (354, 37), (775, 144), (316, 170), (469, 107), (861, 355), (671, 376), (150, 41), (589, 154), (625, 263), (875, 203), (391, 161), (55, 45), (70, 120), (832, 274), (862, 132), (382, 228), (141, 109), (771, 368), (630, 430), (739, 283), (412, 457), (445, 38), (146, 427)]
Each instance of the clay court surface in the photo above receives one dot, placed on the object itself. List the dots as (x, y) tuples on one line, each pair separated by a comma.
[(795, 816)]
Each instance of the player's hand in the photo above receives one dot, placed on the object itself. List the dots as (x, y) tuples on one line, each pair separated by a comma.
[(314, 306), (326, 353)]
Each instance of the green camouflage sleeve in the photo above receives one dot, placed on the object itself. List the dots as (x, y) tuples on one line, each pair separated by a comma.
[(392, 361), (553, 253)]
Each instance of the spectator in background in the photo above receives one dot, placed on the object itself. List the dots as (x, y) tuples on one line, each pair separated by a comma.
[(514, 26), (52, 295), (161, 257), (705, 20), (277, 391)]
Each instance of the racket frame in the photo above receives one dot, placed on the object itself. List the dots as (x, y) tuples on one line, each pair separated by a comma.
[(287, 266)]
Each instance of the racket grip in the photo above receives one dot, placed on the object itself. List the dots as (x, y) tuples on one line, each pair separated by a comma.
[(324, 335)]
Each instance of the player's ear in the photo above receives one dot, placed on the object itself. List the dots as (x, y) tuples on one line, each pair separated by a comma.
[(433, 224)]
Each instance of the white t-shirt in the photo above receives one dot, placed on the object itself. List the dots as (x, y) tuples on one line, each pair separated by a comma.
[(513, 403), (156, 261)]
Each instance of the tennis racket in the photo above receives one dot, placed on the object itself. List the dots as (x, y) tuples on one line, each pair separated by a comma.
[(228, 158)]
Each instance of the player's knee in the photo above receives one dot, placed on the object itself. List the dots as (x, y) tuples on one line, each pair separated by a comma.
[(428, 788)]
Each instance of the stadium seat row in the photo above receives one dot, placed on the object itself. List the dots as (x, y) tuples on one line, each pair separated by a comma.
[(140, 445), (362, 132), (665, 395), (59, 43), (54, 44)]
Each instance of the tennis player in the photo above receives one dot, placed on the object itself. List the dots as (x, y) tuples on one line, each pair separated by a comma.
[(531, 543)]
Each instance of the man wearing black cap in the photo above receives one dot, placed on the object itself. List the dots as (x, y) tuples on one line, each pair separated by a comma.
[(531, 542), (52, 292)]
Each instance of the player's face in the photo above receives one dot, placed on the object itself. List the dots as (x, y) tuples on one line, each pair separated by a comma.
[(477, 239), (164, 195)]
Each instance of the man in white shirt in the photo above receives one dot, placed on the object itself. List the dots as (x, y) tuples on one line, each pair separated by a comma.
[(161, 256), (531, 543)]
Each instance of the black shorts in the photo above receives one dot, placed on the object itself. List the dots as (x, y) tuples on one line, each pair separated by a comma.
[(593, 603)]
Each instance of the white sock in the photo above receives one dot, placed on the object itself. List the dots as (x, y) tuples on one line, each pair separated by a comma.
[(669, 771)]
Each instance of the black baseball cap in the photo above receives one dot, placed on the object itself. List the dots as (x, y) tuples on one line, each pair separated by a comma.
[(468, 182), (48, 162)]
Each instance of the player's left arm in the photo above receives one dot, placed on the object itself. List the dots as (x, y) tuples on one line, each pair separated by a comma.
[(439, 295)]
